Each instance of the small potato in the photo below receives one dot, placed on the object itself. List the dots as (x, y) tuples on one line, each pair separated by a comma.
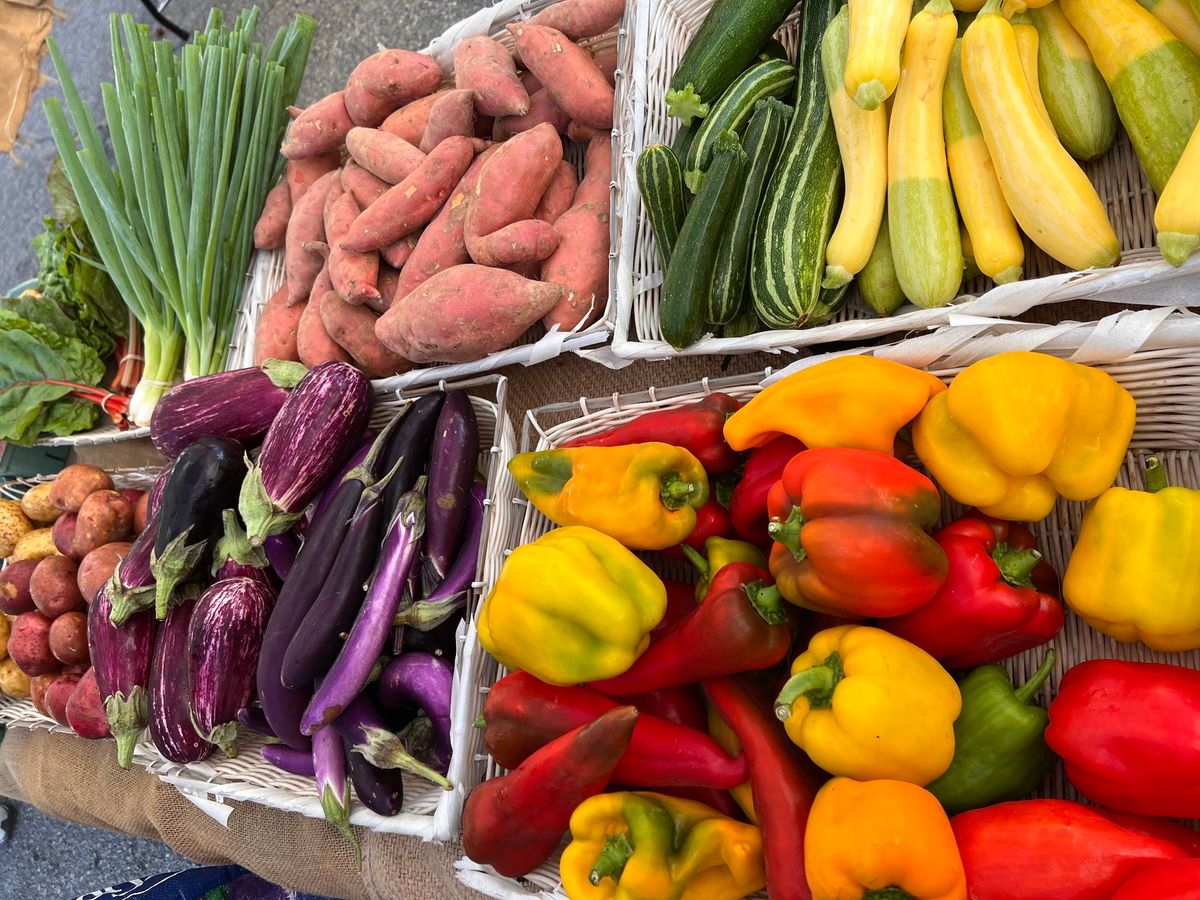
[(37, 691), (141, 508), (98, 566), (55, 587), (75, 483), (133, 495), (68, 639), (37, 506), (85, 709), (58, 695), (29, 644), (105, 517), (14, 587), (14, 525), (13, 682), (63, 532), (5, 627), (38, 544)]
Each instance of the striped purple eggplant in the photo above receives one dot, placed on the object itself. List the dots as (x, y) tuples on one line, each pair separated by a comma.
[(451, 595), (171, 726), (239, 405), (320, 425), (121, 655), (333, 784), (290, 760), (224, 639), (154, 501), (453, 458), (357, 458), (131, 587), (234, 569)]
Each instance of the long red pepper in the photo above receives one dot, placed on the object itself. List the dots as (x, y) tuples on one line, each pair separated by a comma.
[(748, 504), (681, 600), (712, 520)]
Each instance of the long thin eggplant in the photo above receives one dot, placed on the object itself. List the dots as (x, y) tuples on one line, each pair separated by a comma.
[(122, 655), (131, 587), (358, 655), (451, 595), (240, 404), (223, 645), (363, 726), (410, 447), (426, 682), (321, 423), (170, 711), (204, 482), (379, 790), (253, 718), (356, 459), (453, 458), (441, 642), (281, 550), (289, 759), (333, 785)]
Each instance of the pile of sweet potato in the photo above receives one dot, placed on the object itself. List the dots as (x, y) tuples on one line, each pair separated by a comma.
[(424, 224)]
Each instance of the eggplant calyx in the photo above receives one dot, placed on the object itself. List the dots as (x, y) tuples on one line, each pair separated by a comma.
[(125, 601), (179, 559), (384, 750), (259, 512), (127, 717), (224, 736), (284, 373), (425, 616), (235, 545), (337, 813)]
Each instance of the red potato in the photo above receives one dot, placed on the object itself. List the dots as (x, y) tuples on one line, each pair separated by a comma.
[(274, 338), (559, 195), (37, 692), (606, 62), (386, 81), (58, 695), (486, 67), (85, 709), (542, 111), (29, 644), (55, 587), (568, 72), (97, 568), (302, 174), (384, 155), (307, 225), (321, 128), (464, 313), (131, 494), (74, 483), (354, 275), (141, 509), (579, 19), (530, 240), (313, 343), (414, 201), (365, 187), (69, 640), (63, 534), (353, 329), (453, 115), (397, 254), (105, 517), (14, 587), (409, 122), (271, 229)]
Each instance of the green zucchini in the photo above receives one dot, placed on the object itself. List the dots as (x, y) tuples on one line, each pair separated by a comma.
[(683, 141), (877, 282), (803, 199), (771, 78), (660, 181), (684, 298), (764, 138), (744, 324), (733, 33)]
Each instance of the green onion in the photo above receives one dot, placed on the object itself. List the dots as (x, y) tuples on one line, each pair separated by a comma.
[(195, 138)]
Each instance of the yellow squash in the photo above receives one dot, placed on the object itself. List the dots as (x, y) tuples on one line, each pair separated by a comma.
[(1181, 19), (1049, 195), (968, 5), (877, 30), (1026, 34), (1177, 216)]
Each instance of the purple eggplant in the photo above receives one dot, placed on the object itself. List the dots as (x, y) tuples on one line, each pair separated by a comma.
[(288, 759), (239, 405), (223, 644), (170, 709), (360, 651), (333, 786), (379, 790), (234, 569), (234, 552), (121, 655), (154, 501), (281, 550), (131, 587), (426, 682), (253, 718), (321, 423), (409, 448), (454, 455), (357, 458), (441, 642), (363, 726)]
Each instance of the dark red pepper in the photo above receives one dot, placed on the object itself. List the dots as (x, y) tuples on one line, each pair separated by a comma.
[(712, 520), (513, 823), (748, 505), (681, 600), (698, 427), (1187, 839), (683, 705), (1019, 537)]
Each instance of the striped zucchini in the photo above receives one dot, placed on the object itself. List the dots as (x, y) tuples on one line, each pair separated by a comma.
[(1026, 34), (764, 137), (877, 283), (1177, 216), (876, 34), (788, 257), (1154, 79), (921, 214), (770, 78), (684, 299), (862, 141), (1181, 17), (660, 181), (1076, 96)]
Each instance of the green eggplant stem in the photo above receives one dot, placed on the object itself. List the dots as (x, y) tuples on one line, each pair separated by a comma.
[(767, 602), (676, 493), (889, 893), (817, 684), (698, 561), (1016, 565), (1026, 692), (1155, 475), (613, 859), (787, 533)]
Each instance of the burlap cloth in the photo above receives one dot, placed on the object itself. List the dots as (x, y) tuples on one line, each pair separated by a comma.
[(24, 25)]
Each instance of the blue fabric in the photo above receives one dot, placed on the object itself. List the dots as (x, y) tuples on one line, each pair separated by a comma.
[(205, 883)]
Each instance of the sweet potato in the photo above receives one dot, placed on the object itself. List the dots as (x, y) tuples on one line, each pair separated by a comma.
[(13, 682), (73, 484), (313, 344), (274, 338), (302, 174), (353, 274), (14, 587), (568, 72), (63, 533), (353, 328), (386, 81), (365, 187), (606, 62), (530, 82), (463, 314), (58, 695), (486, 67), (29, 644), (98, 566), (410, 121), (389, 280), (384, 155), (37, 506), (585, 134), (529, 240), (306, 225), (579, 19), (559, 195), (452, 115), (69, 640), (484, 125), (542, 111), (54, 587), (397, 254), (271, 229), (322, 127), (414, 201), (85, 709), (596, 186), (105, 517)]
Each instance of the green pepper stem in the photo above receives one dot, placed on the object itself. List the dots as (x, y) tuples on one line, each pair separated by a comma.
[(817, 684), (612, 860), (676, 493), (1016, 565), (698, 561), (1026, 691), (787, 532), (1155, 475), (889, 893), (767, 602), (480, 722)]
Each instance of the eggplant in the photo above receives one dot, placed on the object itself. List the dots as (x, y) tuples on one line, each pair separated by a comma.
[(454, 455), (234, 569), (379, 790), (356, 459), (426, 682), (240, 405), (409, 448), (233, 550), (320, 424), (333, 786), (223, 645), (170, 710), (252, 717), (288, 759), (363, 726), (441, 642), (154, 501), (121, 655), (412, 592), (131, 587), (204, 482), (357, 657), (281, 550)]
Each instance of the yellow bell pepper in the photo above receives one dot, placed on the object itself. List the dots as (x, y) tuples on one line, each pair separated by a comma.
[(850, 401), (866, 704), (644, 846), (881, 839), (1133, 573), (644, 495), (1018, 429), (719, 731), (573, 606)]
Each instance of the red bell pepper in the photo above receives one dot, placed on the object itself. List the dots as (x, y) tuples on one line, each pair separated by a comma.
[(513, 823), (681, 600), (1019, 537), (748, 504), (1129, 735), (988, 608), (850, 534), (1178, 879), (712, 520), (683, 705), (698, 427), (523, 714), (1187, 839), (1050, 849)]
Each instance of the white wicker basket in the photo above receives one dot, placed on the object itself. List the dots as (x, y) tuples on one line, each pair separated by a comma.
[(536, 345), (660, 31), (1155, 354)]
